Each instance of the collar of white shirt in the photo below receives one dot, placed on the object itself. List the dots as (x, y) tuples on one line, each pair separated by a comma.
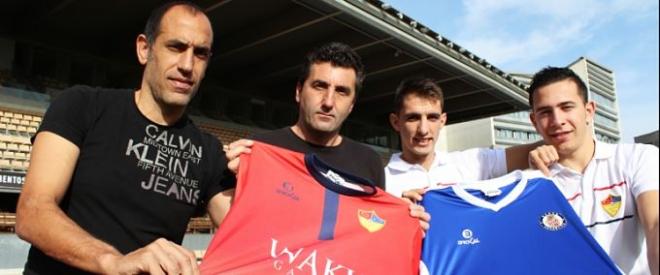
[(601, 151), (397, 163)]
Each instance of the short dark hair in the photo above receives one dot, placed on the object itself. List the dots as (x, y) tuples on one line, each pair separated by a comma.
[(152, 28), (339, 55), (418, 86), (549, 75)]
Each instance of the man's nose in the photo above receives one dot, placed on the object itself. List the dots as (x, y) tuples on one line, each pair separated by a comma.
[(329, 99), (423, 127), (558, 118), (186, 61)]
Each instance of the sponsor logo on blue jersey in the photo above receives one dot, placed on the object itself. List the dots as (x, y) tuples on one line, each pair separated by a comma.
[(468, 238)]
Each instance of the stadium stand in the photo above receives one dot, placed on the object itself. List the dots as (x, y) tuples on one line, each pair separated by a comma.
[(7, 221), (200, 225), (16, 128)]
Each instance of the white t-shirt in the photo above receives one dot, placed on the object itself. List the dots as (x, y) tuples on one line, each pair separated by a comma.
[(446, 169), (604, 198)]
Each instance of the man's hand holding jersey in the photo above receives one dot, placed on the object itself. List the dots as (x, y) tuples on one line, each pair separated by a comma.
[(234, 150), (417, 211)]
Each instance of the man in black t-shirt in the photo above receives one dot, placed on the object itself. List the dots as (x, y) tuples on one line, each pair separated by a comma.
[(115, 175), (326, 92)]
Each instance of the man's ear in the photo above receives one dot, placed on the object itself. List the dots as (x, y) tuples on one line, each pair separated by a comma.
[(443, 120), (590, 108), (298, 91), (532, 118), (394, 121), (142, 48)]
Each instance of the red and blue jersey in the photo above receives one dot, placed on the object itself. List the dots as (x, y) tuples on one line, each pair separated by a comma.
[(293, 214)]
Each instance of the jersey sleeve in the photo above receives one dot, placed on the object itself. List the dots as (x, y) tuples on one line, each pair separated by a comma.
[(645, 169), (480, 163), (70, 115)]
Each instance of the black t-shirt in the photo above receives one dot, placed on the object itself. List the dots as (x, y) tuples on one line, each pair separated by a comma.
[(135, 181), (349, 156)]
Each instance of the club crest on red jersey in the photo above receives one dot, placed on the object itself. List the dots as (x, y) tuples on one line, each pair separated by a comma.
[(370, 220)]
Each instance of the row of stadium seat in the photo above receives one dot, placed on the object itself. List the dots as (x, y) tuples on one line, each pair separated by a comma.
[(7, 221), (20, 116), (18, 122), (200, 225), (19, 128), (14, 155), (14, 165), (14, 143), (23, 123)]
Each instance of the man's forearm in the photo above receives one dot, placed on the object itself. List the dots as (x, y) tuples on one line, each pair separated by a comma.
[(45, 226), (652, 249)]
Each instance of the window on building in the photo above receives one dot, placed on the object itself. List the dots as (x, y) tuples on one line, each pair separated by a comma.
[(602, 100), (605, 121)]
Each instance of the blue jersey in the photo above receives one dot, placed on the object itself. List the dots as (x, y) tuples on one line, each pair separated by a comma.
[(509, 225)]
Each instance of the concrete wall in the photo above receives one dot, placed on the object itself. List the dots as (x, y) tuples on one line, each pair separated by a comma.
[(470, 134)]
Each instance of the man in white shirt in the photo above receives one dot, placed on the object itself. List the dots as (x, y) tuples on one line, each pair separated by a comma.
[(418, 117), (612, 187)]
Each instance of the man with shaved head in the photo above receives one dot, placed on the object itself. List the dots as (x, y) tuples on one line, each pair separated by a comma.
[(115, 176)]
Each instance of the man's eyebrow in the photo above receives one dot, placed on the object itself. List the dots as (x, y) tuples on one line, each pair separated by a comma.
[(344, 88), (543, 108), (320, 82), (175, 41), (412, 114)]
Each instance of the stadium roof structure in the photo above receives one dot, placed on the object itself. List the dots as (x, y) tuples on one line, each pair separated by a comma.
[(259, 47)]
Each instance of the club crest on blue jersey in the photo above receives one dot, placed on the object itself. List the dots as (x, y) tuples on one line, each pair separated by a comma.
[(553, 221), (611, 204), (370, 220)]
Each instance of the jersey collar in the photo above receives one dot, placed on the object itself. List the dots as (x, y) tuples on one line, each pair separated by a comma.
[(336, 180), (517, 177)]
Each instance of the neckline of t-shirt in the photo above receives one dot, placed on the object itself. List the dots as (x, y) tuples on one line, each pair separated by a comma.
[(321, 147), (517, 177), (325, 174), (135, 109)]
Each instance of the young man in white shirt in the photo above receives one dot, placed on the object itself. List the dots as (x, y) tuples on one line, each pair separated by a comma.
[(612, 187), (418, 117)]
